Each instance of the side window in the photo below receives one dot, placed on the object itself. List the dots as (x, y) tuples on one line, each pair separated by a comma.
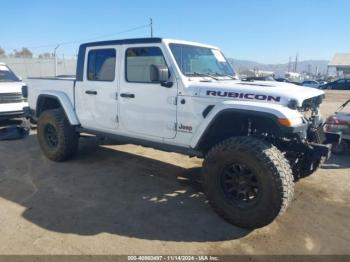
[(101, 65), (138, 62), (341, 81)]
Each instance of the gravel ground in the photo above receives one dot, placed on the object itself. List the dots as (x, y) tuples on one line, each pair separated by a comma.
[(128, 199)]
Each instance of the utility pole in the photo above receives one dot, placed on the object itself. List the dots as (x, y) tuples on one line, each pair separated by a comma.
[(151, 26), (289, 63), (55, 56), (296, 63)]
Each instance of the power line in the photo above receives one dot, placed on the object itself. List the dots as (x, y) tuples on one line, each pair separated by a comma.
[(87, 39)]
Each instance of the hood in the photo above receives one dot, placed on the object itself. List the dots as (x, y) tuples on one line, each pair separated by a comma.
[(259, 91), (11, 87)]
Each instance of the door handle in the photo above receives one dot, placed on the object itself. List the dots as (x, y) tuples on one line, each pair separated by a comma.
[(91, 92), (127, 95)]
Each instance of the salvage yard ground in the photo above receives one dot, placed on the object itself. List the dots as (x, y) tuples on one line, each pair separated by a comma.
[(128, 199)]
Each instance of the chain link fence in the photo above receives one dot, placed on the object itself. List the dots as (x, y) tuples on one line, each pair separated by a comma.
[(40, 67)]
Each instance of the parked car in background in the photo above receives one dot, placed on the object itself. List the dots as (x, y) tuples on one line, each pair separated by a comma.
[(286, 80), (339, 122), (11, 99), (296, 83), (340, 84), (311, 83), (258, 78), (280, 79), (321, 82)]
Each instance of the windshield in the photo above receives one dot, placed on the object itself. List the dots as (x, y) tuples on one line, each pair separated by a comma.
[(6, 75), (200, 61)]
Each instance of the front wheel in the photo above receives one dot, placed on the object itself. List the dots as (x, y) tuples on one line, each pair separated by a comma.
[(57, 138), (247, 181)]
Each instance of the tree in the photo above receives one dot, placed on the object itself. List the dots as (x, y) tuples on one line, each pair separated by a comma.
[(45, 55), (2, 52), (24, 52)]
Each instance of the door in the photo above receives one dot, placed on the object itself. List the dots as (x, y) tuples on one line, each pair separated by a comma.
[(146, 108), (96, 94)]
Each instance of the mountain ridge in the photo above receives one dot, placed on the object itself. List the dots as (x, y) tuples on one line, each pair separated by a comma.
[(302, 66)]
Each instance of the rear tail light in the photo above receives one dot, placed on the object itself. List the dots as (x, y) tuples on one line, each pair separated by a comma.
[(333, 120), (334, 124)]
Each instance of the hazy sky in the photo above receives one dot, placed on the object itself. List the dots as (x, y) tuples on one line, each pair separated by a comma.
[(264, 31)]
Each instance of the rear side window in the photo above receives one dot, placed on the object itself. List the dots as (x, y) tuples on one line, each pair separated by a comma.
[(138, 61), (101, 65)]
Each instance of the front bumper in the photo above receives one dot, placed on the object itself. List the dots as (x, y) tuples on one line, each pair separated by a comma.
[(11, 114), (29, 113), (313, 142), (321, 143), (316, 152)]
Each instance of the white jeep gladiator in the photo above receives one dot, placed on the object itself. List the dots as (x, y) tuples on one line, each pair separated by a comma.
[(256, 138), (11, 99)]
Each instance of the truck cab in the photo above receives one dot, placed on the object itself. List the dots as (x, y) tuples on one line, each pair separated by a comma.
[(255, 137)]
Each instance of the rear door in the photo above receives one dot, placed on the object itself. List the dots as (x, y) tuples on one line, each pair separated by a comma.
[(146, 108), (96, 99)]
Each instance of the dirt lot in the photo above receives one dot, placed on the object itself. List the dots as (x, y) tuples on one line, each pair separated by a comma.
[(132, 200)]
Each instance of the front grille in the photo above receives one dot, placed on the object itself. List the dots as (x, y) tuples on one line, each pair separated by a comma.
[(313, 102), (7, 98)]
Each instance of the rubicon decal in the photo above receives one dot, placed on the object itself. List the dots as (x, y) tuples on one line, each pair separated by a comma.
[(249, 96)]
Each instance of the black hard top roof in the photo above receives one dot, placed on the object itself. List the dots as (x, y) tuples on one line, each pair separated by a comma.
[(146, 40)]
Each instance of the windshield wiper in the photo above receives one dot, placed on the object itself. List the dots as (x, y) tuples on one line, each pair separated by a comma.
[(203, 74)]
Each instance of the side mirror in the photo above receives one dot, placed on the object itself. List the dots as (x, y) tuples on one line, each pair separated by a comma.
[(160, 74)]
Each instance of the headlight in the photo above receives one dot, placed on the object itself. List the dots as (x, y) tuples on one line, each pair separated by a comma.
[(293, 104), (25, 91)]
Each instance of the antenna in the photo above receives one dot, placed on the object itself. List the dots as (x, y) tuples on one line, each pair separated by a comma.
[(151, 26)]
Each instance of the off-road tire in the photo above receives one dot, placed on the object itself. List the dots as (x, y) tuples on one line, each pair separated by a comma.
[(271, 169), (67, 137)]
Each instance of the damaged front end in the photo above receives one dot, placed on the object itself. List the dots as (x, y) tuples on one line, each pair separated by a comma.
[(307, 151), (315, 124)]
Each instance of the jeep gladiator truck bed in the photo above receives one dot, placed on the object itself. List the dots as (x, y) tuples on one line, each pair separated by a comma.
[(255, 137)]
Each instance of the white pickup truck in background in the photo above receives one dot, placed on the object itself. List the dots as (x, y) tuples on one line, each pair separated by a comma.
[(11, 99)]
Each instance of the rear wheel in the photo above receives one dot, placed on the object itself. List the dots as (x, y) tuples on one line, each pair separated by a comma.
[(247, 181), (57, 138)]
